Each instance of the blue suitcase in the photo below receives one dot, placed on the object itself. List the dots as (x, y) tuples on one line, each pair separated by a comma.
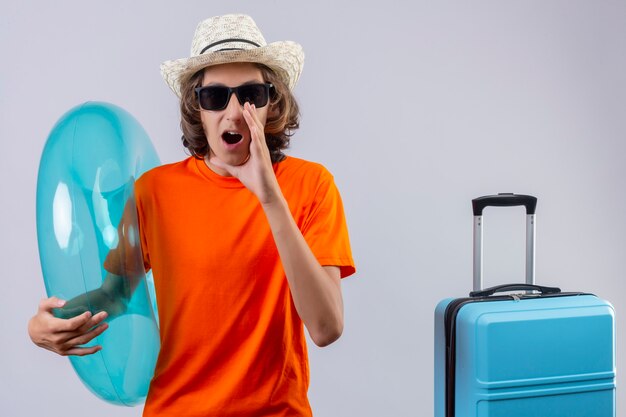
[(537, 353)]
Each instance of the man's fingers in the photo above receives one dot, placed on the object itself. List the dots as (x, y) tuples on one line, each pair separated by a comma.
[(82, 339), (94, 321), (255, 117), (73, 324), (79, 324), (83, 322), (253, 122), (67, 312), (257, 142), (82, 351), (65, 336), (47, 304)]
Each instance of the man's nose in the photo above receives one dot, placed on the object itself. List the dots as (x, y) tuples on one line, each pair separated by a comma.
[(234, 110)]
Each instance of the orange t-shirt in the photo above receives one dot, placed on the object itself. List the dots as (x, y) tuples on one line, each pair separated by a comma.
[(232, 343)]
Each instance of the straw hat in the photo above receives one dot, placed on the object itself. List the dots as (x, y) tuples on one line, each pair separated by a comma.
[(234, 38)]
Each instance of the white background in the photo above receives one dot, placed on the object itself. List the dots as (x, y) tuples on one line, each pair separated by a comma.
[(416, 107)]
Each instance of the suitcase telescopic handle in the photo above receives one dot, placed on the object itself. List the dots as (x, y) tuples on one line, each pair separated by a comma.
[(515, 287), (504, 200)]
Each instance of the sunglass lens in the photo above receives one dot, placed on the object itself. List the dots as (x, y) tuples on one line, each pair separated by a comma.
[(213, 98), (256, 94)]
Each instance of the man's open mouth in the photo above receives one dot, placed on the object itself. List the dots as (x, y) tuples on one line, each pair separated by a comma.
[(231, 137)]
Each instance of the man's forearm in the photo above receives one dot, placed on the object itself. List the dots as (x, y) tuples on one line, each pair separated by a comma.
[(316, 290), (113, 297)]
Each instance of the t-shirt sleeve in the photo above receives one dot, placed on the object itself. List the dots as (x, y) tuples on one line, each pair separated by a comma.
[(325, 229), (130, 257)]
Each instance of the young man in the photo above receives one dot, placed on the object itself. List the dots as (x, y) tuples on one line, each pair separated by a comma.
[(246, 245)]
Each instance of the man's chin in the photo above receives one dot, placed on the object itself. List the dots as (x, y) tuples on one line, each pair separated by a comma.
[(233, 159), (230, 158)]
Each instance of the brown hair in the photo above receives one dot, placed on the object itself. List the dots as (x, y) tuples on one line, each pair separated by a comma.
[(282, 118)]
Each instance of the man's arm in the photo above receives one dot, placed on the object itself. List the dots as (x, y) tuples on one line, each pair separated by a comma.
[(113, 297), (316, 290), (62, 326)]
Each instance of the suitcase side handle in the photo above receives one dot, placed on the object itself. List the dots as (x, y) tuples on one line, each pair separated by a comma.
[(515, 287), (504, 200)]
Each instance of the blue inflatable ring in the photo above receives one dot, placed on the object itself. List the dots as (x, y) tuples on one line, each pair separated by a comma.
[(86, 178)]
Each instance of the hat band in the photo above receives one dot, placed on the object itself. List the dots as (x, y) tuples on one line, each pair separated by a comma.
[(229, 40)]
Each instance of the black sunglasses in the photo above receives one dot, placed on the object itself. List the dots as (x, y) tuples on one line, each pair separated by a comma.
[(216, 97)]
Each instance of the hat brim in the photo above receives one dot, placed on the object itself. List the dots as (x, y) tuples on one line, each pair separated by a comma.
[(286, 58)]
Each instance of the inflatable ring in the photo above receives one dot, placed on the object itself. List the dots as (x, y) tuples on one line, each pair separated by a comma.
[(86, 178)]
